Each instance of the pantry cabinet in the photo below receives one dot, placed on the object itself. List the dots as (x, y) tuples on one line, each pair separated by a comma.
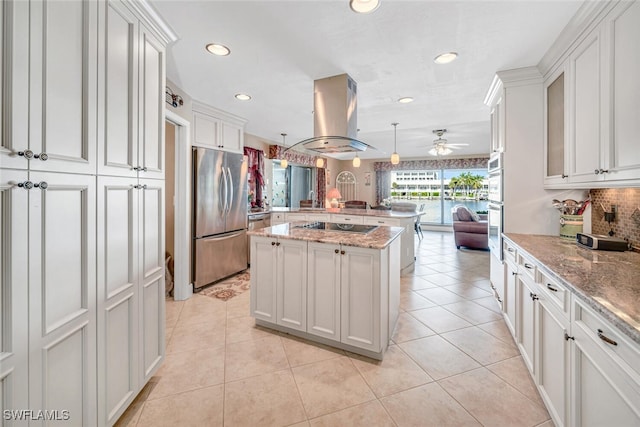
[(82, 194), (281, 294), (213, 128), (131, 137), (50, 78)]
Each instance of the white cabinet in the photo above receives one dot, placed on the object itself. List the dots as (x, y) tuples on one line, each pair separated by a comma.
[(526, 319), (62, 294), (374, 220), (131, 120), (552, 357), (324, 290), (497, 121), (213, 128), (605, 370), (347, 219), (51, 74), (602, 102), (14, 322), (280, 296), (509, 300), (278, 218), (556, 151), (585, 149)]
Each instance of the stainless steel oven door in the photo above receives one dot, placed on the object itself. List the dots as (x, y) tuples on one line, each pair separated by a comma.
[(495, 229)]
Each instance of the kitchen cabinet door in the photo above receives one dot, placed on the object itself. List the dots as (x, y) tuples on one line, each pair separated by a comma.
[(232, 137), (509, 300), (526, 315), (556, 153), (63, 85), (62, 295), (118, 296), (151, 276), (361, 308), (586, 149), (151, 105), (118, 136), (291, 284), (206, 131), (14, 322), (323, 291), (263, 266), (622, 35), (552, 358)]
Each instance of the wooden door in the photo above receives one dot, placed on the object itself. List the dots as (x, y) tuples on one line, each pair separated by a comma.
[(323, 290), (118, 296), (62, 295), (14, 321), (63, 85), (118, 118)]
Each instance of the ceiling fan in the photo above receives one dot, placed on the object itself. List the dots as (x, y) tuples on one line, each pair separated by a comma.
[(441, 147)]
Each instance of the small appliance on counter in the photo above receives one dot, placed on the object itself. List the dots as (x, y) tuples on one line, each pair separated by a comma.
[(601, 242)]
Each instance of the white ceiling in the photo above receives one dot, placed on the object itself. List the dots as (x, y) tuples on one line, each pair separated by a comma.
[(278, 48)]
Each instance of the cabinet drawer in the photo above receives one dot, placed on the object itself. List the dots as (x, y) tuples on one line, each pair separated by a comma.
[(346, 219), (556, 292), (277, 218), (372, 220), (318, 217), (623, 350), (526, 266), (509, 251), (291, 217)]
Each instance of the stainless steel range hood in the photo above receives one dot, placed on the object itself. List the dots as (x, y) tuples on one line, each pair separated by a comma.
[(335, 122)]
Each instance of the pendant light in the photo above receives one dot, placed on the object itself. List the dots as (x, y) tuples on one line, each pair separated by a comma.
[(395, 158), (356, 161), (283, 161)]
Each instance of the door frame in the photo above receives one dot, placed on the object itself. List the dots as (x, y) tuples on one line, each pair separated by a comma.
[(183, 288)]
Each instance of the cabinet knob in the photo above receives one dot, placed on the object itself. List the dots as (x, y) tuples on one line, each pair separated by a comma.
[(27, 185), (27, 154), (604, 170), (528, 266), (605, 338), (551, 288), (514, 273), (143, 169), (564, 176), (597, 171), (273, 243), (533, 296), (341, 252), (568, 337), (337, 251), (42, 185), (278, 244), (42, 156)]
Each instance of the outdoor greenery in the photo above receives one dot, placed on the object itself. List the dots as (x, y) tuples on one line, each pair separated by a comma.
[(467, 183)]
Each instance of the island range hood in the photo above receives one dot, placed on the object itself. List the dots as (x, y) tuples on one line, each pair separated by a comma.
[(335, 124)]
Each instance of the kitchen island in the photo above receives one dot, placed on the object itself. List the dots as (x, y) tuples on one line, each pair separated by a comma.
[(392, 218), (340, 288)]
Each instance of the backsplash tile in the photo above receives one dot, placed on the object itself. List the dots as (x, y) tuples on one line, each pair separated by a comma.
[(627, 200)]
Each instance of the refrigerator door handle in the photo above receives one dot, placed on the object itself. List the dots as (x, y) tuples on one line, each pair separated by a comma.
[(224, 186), (230, 184)]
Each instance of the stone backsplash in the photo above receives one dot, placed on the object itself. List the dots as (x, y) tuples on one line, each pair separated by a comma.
[(627, 221)]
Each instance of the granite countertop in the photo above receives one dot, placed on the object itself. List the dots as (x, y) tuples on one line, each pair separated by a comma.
[(361, 212), (609, 282), (379, 238)]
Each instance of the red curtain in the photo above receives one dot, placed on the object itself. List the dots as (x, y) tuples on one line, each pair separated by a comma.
[(255, 176), (322, 185)]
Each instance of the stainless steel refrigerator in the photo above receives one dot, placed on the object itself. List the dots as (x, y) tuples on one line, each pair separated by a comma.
[(220, 215)]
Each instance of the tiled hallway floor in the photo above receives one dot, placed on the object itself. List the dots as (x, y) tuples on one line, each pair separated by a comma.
[(452, 362)]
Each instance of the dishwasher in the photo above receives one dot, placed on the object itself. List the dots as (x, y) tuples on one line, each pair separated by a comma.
[(257, 221)]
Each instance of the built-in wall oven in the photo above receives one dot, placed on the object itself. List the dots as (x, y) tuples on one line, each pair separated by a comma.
[(495, 206)]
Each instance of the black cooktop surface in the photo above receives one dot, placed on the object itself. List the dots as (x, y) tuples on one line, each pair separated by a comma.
[(332, 226)]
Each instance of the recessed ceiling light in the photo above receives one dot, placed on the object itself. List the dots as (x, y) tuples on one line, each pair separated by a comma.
[(445, 58), (364, 6), (218, 49), (405, 100), (242, 96)]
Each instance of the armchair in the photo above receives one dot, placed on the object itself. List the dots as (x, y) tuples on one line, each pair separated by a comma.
[(469, 229)]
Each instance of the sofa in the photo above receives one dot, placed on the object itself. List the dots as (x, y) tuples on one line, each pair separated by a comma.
[(469, 229)]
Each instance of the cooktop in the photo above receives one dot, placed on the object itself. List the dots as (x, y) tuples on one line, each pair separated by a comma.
[(332, 226)]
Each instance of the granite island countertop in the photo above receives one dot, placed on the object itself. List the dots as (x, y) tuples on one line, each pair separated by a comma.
[(609, 282), (362, 212), (379, 238)]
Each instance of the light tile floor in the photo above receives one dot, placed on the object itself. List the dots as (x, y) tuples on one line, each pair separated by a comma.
[(451, 362)]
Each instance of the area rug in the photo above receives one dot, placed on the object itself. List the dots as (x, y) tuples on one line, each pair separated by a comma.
[(229, 288)]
